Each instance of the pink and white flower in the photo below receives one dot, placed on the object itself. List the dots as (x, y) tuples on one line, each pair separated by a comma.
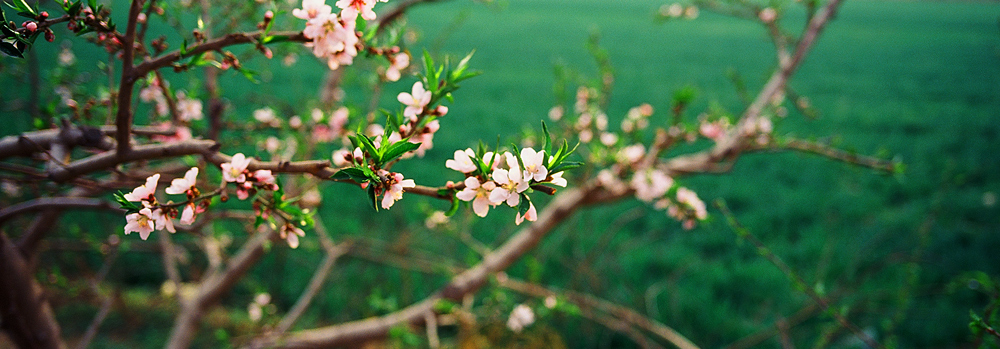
[(462, 161), (188, 108), (509, 183), (531, 215), (534, 164), (351, 9), (183, 185), (396, 186), (397, 63), (233, 171), (415, 101), (312, 9), (690, 198), (146, 191), (141, 222), (479, 194)]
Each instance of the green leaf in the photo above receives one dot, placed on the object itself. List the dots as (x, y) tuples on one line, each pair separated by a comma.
[(373, 197), (353, 173), (184, 48), (398, 149), (546, 140), (461, 67), (566, 165), (74, 9), (454, 206), (250, 75), (369, 147), (10, 50)]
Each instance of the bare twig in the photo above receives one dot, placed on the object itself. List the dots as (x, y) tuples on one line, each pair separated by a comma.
[(625, 314), (28, 318), (54, 203), (797, 280), (333, 252)]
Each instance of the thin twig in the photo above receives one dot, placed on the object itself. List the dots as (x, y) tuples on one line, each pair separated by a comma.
[(797, 280)]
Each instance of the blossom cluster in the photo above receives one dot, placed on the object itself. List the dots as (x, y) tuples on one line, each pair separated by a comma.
[(506, 181), (151, 215), (247, 182), (333, 35)]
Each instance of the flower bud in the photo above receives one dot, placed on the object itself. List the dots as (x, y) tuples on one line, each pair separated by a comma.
[(31, 26), (42, 16), (49, 35)]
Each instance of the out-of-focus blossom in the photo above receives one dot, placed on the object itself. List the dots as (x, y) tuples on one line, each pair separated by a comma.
[(312, 9), (291, 234), (522, 316), (651, 184)]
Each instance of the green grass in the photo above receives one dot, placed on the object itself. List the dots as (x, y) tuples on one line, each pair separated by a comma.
[(913, 79)]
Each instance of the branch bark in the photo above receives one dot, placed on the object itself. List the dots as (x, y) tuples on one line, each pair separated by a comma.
[(27, 317)]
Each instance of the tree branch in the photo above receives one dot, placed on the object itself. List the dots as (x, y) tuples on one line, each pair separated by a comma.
[(27, 317)]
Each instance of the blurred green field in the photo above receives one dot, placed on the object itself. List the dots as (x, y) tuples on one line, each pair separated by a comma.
[(917, 80)]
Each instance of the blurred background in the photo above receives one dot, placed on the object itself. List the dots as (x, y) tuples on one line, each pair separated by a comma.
[(918, 81)]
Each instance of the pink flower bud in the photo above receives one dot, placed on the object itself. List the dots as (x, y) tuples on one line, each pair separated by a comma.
[(268, 15), (31, 26)]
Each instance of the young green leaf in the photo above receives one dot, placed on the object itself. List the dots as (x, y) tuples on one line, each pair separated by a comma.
[(373, 197), (397, 149)]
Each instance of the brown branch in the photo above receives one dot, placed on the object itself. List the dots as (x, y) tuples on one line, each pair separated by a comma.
[(27, 317), (123, 118), (333, 252), (838, 154), (54, 203), (145, 152), (468, 282), (587, 301), (212, 287), (735, 142), (214, 45)]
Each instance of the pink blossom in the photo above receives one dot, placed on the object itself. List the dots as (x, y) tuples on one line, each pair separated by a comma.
[(312, 9), (767, 15), (520, 317), (509, 183), (233, 171), (190, 212), (462, 162), (265, 179), (141, 222), (182, 133), (338, 120), (265, 116), (690, 198), (188, 108), (182, 185), (534, 164), (340, 158), (415, 101), (608, 139), (478, 193), (397, 63), (557, 179), (531, 215), (332, 39), (396, 186), (556, 113), (146, 191), (351, 9), (651, 184), (163, 221), (291, 234), (631, 154)]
